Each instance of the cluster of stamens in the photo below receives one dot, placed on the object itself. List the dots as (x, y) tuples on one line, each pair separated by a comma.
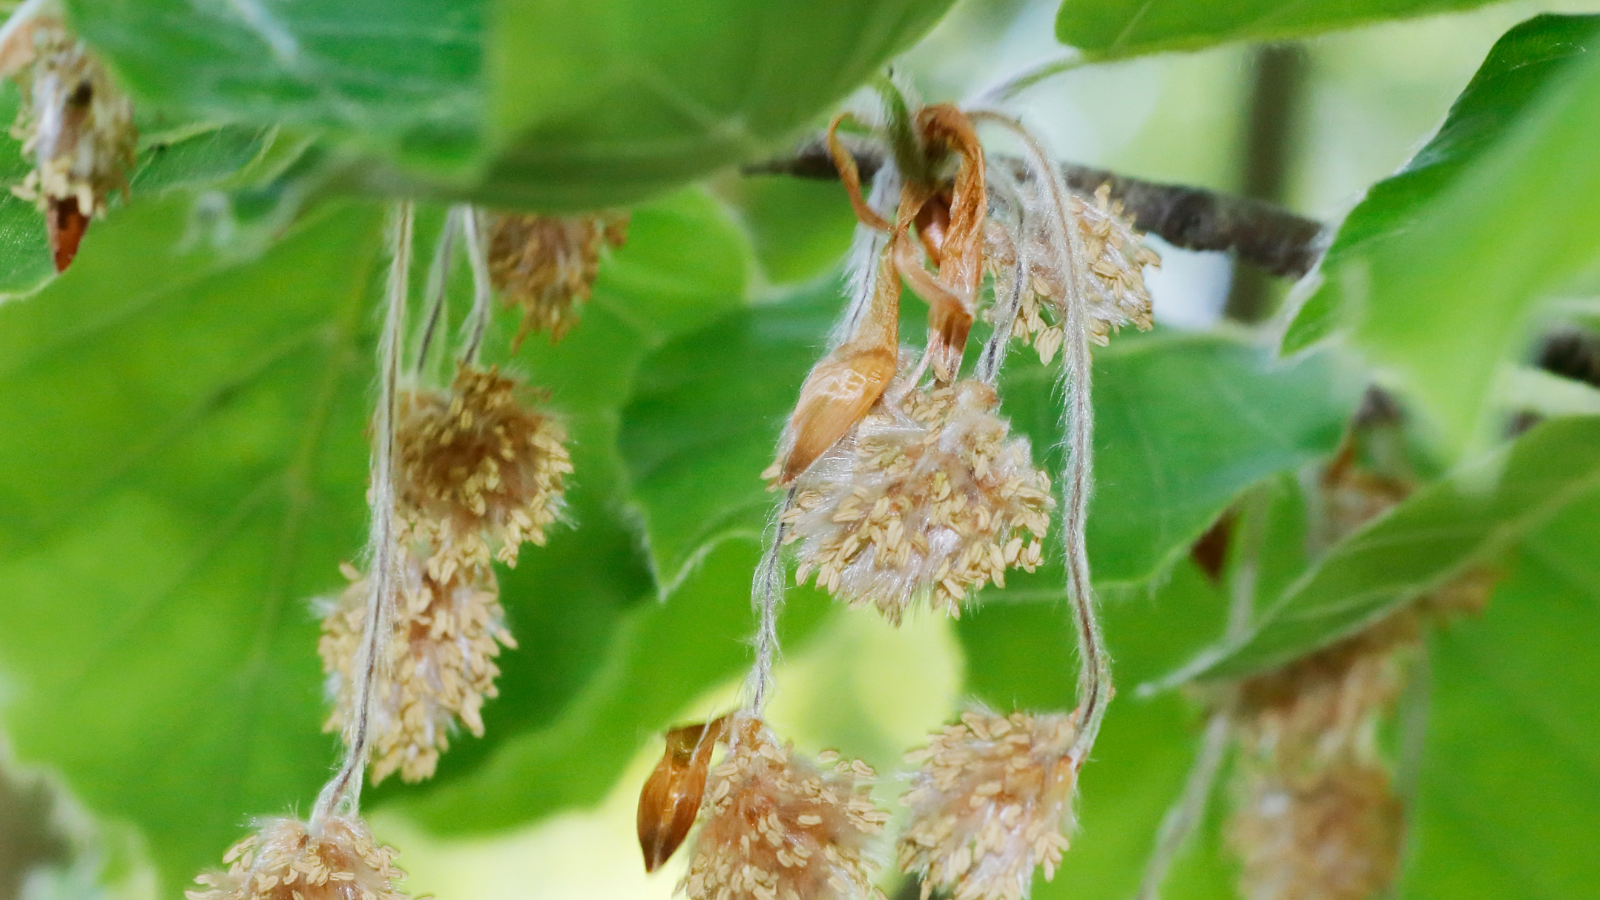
[(338, 859), (1114, 279), (930, 496), (991, 801), (477, 474), (439, 659), (775, 826), (478, 471), (546, 265)]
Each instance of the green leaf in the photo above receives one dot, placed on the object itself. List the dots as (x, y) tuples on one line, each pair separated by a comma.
[(799, 228), (1428, 540), (514, 102), (1438, 270), (184, 467), (1110, 29), (1511, 760), (168, 521), (1183, 425)]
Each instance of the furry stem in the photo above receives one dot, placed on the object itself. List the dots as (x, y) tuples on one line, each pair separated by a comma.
[(1066, 245), (439, 282), (478, 256), (343, 792), (766, 596)]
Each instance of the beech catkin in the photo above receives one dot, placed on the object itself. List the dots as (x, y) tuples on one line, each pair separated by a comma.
[(1115, 256), (479, 471), (439, 656), (775, 826), (929, 498), (288, 860), (546, 265), (991, 802)]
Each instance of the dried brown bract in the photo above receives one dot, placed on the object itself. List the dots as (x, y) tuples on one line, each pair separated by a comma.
[(546, 265), (75, 124), (670, 800), (478, 471), (992, 801), (287, 860), (930, 498), (775, 826), (1116, 257), (439, 661), (1334, 834)]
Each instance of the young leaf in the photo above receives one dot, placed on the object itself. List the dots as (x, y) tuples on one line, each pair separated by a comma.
[(1428, 540), (1511, 762), (514, 102), (184, 468), (1108, 29), (1439, 268)]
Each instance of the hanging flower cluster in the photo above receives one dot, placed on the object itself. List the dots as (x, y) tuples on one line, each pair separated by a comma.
[(546, 265), (776, 826), (902, 492), (440, 657), (480, 471), (286, 859), (1317, 815), (1333, 834), (1116, 258), (75, 124), (927, 498), (991, 802)]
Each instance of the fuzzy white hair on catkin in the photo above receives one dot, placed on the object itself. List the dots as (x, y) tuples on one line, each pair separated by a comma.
[(342, 794), (1052, 202), (1005, 199)]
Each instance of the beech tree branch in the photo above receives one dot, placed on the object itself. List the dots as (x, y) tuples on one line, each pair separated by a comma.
[(1263, 234)]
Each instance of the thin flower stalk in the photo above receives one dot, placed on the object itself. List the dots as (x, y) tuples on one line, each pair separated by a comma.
[(767, 592), (342, 794), (1189, 809), (1069, 261), (437, 310)]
